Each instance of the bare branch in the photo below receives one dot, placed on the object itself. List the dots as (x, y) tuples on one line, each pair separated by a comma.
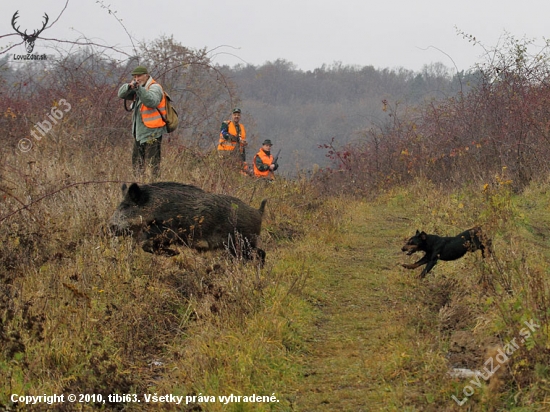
[(60, 14), (113, 13), (451, 59), (88, 43), (28, 205)]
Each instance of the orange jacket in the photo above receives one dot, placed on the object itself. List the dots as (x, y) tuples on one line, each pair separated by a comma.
[(232, 130), (150, 115), (266, 161)]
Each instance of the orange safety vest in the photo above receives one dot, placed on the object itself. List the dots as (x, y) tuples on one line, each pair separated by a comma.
[(150, 115), (268, 160), (228, 144)]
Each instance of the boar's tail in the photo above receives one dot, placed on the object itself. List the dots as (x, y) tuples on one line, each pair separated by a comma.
[(262, 207)]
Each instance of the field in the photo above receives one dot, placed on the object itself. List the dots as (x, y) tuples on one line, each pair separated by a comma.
[(332, 322)]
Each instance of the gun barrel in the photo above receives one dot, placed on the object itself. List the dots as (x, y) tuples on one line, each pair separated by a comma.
[(276, 156)]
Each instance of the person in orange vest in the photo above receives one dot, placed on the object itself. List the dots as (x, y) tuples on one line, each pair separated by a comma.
[(148, 126), (233, 139), (264, 164)]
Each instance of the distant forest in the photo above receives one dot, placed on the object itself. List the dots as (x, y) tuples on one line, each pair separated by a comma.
[(302, 110)]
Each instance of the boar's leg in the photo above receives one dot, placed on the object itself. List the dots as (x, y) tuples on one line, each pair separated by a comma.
[(242, 247), (151, 246), (155, 241), (261, 256)]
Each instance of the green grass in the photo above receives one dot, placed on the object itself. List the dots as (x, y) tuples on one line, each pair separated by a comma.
[(333, 322), (363, 353)]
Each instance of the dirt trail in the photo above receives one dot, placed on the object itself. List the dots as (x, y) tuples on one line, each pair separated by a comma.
[(352, 346)]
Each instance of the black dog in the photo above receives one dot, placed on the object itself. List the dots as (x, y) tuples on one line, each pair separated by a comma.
[(444, 248)]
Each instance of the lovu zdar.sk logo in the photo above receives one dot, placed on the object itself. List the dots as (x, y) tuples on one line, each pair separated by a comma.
[(29, 39)]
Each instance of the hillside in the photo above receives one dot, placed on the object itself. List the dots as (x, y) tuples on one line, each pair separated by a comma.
[(302, 111), (333, 322), (385, 340)]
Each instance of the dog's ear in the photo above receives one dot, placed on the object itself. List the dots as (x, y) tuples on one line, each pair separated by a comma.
[(417, 232), (423, 235)]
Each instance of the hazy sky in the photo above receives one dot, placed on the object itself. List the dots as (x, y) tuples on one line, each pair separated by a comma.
[(308, 33)]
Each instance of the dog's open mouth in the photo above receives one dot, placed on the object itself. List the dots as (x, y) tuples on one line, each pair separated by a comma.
[(409, 250)]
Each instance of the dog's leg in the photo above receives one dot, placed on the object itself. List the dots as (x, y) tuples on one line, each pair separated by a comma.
[(414, 265), (481, 241), (428, 267), (488, 244)]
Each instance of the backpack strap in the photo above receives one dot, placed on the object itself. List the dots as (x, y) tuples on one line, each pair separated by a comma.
[(167, 98)]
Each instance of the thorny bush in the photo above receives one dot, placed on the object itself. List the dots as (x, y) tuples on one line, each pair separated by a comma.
[(503, 121)]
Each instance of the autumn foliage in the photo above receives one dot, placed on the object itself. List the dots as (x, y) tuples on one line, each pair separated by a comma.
[(84, 312), (502, 122)]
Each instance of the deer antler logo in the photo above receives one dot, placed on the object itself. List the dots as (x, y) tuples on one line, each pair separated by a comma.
[(29, 39)]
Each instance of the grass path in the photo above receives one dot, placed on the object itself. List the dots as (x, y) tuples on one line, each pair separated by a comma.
[(360, 342)]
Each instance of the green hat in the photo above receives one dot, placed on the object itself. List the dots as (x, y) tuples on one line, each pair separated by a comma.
[(267, 141), (236, 110), (140, 70)]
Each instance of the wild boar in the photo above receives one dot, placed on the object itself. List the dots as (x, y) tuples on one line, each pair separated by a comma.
[(166, 213)]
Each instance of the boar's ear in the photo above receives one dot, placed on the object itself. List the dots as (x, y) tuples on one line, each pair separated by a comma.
[(137, 195), (124, 188)]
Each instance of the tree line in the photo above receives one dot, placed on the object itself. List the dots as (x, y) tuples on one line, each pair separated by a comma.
[(300, 111), (303, 111), (496, 134)]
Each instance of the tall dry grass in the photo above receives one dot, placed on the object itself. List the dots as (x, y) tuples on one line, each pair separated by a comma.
[(83, 312), (472, 308)]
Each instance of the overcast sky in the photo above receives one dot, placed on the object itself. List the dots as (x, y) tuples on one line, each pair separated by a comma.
[(308, 33)]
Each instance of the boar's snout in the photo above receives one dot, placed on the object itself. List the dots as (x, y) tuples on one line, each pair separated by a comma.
[(118, 231), (118, 225)]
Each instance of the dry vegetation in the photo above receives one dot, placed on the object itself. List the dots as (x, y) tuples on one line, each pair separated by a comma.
[(473, 308), (84, 312)]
